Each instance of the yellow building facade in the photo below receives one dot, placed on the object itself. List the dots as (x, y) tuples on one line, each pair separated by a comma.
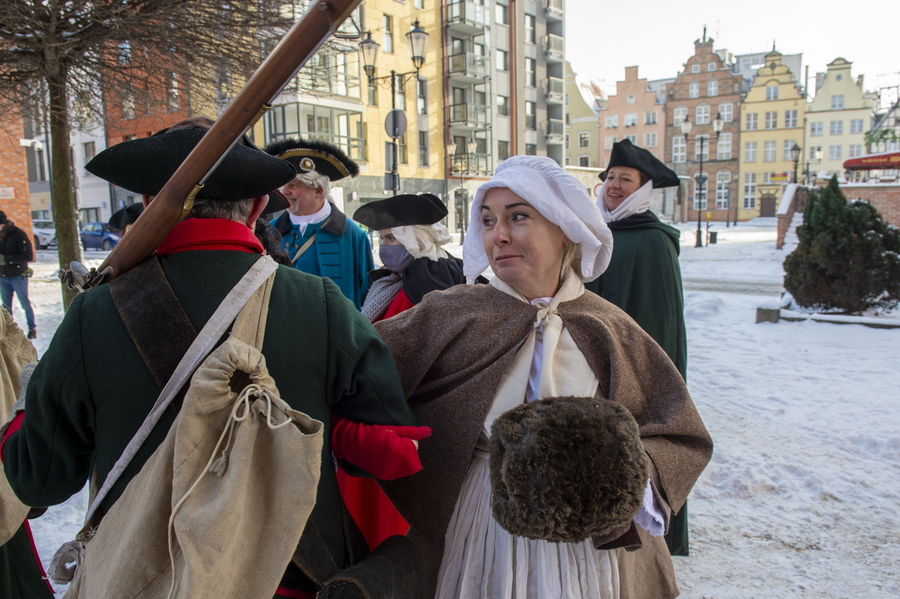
[(772, 121)]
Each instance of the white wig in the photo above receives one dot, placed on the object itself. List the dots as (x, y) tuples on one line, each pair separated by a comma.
[(560, 198)]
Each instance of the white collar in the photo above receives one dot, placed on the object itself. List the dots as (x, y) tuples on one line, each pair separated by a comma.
[(636, 203), (309, 219)]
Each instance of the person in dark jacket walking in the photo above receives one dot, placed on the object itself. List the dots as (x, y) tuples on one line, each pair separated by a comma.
[(644, 276), (15, 254)]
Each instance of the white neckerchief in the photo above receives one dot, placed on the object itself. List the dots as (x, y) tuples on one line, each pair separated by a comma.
[(636, 203), (423, 241), (305, 220)]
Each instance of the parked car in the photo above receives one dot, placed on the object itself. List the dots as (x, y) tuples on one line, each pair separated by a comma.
[(98, 235), (44, 234)]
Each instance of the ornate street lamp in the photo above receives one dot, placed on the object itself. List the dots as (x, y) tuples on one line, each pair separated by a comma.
[(795, 155), (718, 124)]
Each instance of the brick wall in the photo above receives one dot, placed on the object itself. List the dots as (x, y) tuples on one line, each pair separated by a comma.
[(15, 200), (885, 198)]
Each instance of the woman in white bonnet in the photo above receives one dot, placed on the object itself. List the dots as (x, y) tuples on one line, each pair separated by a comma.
[(469, 354)]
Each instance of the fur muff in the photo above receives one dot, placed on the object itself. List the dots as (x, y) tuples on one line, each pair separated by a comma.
[(566, 468)]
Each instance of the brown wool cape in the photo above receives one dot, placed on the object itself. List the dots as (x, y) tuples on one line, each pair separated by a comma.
[(471, 334)]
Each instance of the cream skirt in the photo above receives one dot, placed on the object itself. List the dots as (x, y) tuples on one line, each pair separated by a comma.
[(483, 561)]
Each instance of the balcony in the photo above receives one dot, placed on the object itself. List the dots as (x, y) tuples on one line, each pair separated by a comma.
[(467, 17), (555, 131), (554, 47), (554, 9), (471, 164), (474, 116), (469, 67), (554, 87)]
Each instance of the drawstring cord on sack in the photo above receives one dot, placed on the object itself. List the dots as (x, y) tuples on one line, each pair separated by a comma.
[(240, 411)]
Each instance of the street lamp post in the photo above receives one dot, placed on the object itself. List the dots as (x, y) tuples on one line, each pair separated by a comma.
[(461, 194), (795, 154), (701, 178), (816, 157), (396, 122)]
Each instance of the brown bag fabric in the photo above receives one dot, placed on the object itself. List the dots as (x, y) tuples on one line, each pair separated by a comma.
[(224, 499)]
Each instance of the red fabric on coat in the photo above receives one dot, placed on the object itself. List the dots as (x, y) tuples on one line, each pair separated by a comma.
[(372, 511)]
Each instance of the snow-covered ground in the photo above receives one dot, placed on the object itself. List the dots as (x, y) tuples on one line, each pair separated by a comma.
[(802, 496)]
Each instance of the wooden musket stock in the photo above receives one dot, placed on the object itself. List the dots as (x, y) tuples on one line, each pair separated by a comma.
[(176, 198)]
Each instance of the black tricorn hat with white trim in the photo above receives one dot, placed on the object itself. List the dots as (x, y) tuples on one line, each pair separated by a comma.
[(402, 210), (625, 153), (145, 165), (315, 155)]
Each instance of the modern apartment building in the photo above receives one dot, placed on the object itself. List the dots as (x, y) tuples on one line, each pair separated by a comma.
[(836, 120), (706, 91), (771, 125)]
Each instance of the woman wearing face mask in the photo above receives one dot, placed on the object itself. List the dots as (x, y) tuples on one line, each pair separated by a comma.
[(471, 355), (414, 264), (644, 276)]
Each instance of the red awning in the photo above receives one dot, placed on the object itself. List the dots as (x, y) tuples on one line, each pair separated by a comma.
[(873, 161)]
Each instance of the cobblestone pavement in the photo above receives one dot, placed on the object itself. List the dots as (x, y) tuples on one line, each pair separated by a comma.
[(742, 287)]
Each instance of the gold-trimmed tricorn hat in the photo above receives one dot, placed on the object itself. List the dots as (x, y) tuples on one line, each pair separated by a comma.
[(315, 155)]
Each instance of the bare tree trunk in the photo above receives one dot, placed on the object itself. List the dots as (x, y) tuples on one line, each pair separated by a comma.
[(64, 212)]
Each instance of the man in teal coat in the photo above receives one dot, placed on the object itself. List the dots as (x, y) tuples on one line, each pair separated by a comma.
[(644, 276), (92, 389), (318, 238)]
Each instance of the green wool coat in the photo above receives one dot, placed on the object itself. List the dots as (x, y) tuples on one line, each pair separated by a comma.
[(644, 279), (91, 390)]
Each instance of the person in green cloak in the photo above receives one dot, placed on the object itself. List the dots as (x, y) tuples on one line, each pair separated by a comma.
[(644, 277)]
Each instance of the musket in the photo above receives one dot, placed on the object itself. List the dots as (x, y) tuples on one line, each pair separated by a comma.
[(176, 198)]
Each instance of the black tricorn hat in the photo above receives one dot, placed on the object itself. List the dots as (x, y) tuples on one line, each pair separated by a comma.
[(567, 468), (126, 216), (145, 165), (625, 153), (398, 211), (277, 203), (314, 155)]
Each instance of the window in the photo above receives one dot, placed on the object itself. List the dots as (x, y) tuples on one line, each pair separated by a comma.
[(772, 119), (387, 29), (767, 178), (530, 150), (711, 66), (530, 72), (786, 150), (501, 14), (837, 127), (770, 151), (584, 139), (815, 152), (632, 138), (503, 105), (702, 117), (502, 150), (630, 99), (856, 126), (854, 150), (401, 96), (726, 110), (612, 121), (815, 129), (423, 148), (421, 96), (834, 152), (679, 114), (700, 195), (749, 190), (750, 151), (530, 115), (127, 105), (712, 88), (502, 60), (39, 164), (567, 141), (630, 119), (373, 93), (650, 117), (723, 189), (584, 161), (419, 3), (609, 140), (837, 102), (679, 149), (124, 53), (694, 89), (568, 160), (752, 120), (723, 147), (695, 68), (772, 92), (649, 140), (790, 119), (530, 29), (701, 146), (402, 154), (89, 150), (172, 92)]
